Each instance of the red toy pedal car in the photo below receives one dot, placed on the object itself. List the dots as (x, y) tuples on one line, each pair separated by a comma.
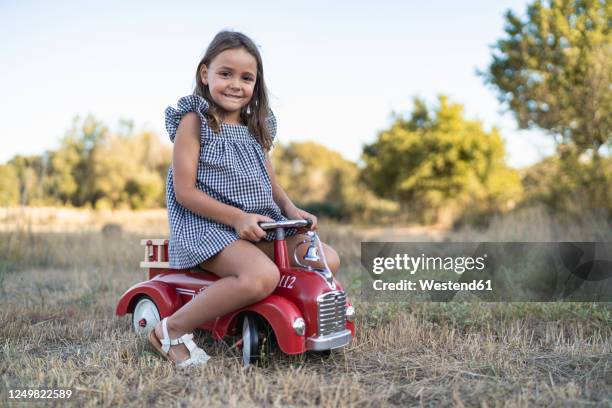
[(308, 310)]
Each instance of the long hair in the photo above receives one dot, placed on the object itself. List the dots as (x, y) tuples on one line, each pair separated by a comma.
[(255, 113)]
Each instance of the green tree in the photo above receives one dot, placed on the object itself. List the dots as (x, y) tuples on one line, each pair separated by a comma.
[(554, 70), (322, 181), (61, 184), (569, 185), (436, 161), (130, 171), (29, 171), (9, 185), (314, 176), (72, 176)]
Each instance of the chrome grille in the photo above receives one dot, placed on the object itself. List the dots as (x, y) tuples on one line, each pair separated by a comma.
[(331, 312)]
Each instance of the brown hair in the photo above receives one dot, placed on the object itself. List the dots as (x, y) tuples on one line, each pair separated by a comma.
[(256, 112)]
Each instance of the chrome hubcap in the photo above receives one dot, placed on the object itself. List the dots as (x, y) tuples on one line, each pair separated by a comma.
[(145, 316), (246, 342)]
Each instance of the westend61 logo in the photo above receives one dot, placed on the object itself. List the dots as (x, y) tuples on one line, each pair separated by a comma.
[(412, 264), (487, 271)]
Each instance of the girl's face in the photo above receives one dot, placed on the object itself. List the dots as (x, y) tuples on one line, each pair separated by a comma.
[(231, 78)]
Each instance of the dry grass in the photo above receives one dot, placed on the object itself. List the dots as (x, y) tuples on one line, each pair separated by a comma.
[(58, 328)]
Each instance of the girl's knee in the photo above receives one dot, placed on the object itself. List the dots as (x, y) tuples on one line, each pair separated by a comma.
[(332, 258), (260, 282), (268, 280)]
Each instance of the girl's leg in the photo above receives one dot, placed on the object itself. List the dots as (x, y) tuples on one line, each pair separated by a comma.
[(247, 276), (333, 260)]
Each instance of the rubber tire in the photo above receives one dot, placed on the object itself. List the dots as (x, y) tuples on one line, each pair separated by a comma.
[(324, 354), (250, 340)]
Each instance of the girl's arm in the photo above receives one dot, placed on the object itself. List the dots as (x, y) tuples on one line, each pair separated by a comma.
[(282, 199), (185, 158)]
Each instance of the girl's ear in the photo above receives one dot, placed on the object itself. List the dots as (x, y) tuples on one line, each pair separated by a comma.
[(204, 74)]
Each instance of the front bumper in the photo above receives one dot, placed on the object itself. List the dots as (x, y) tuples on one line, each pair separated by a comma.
[(329, 341)]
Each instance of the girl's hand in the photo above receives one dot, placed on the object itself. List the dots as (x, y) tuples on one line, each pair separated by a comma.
[(247, 228), (295, 213)]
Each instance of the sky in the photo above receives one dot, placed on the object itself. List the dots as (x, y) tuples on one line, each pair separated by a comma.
[(335, 70)]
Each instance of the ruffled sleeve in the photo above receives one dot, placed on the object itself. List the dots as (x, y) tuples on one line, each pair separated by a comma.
[(271, 123), (190, 103)]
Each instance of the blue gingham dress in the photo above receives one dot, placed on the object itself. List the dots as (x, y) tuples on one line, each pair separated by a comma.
[(232, 170)]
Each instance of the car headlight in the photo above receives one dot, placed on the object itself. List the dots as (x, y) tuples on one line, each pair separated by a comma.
[(350, 313), (299, 326)]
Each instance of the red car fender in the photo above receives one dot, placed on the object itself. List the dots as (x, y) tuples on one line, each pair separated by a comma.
[(279, 313), (165, 297)]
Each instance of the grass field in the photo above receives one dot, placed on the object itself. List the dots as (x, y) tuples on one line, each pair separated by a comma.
[(62, 272)]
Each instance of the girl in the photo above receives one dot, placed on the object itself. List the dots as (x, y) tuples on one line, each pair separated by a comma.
[(220, 185)]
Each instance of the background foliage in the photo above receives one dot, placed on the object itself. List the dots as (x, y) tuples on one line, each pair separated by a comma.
[(92, 168), (321, 180), (552, 69), (437, 160)]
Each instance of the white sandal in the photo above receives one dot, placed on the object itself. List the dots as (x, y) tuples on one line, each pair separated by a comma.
[(197, 356)]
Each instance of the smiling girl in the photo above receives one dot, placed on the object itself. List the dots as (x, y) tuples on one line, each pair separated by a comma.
[(220, 185)]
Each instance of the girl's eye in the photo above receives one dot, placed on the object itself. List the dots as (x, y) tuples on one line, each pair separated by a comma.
[(225, 73), (248, 79)]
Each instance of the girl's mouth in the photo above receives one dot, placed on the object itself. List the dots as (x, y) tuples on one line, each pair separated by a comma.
[(232, 96)]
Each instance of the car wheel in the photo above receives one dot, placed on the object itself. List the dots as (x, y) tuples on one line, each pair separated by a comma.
[(145, 316), (322, 353), (250, 340)]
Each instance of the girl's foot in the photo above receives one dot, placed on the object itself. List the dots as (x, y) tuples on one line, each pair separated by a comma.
[(180, 349), (177, 353)]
